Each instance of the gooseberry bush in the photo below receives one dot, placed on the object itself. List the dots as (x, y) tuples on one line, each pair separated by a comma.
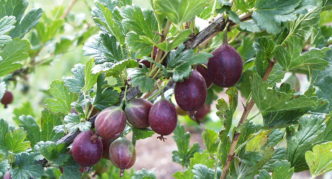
[(260, 70)]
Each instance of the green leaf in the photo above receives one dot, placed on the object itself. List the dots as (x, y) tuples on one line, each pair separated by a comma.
[(179, 11), (71, 170), (184, 152), (309, 130), (15, 141), (55, 154), (73, 123), (140, 78), (211, 140), (184, 175), (29, 124), (144, 174), (180, 61), (75, 83), (47, 29), (264, 52), (257, 141), (4, 165), (25, 109), (25, 166), (143, 23), (48, 121), (83, 78), (270, 14), (298, 32), (283, 171), (24, 23), (274, 137), (105, 97), (142, 133), (29, 21), (90, 79), (143, 29), (138, 44), (319, 159), (282, 119), (173, 42), (246, 50), (104, 48), (109, 19), (271, 100), (250, 26), (6, 24), (283, 57), (322, 80), (203, 172), (114, 69), (12, 140), (13, 52), (202, 158), (310, 60), (62, 46), (13, 8), (61, 98)]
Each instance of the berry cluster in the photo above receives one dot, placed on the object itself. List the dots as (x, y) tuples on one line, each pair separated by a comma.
[(223, 69)]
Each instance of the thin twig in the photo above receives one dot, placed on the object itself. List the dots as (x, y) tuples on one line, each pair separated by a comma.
[(70, 7), (244, 116)]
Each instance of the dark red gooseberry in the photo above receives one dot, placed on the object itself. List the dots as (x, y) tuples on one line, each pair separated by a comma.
[(122, 154), (7, 175), (204, 72), (225, 67), (87, 149), (7, 98), (191, 93), (137, 112), (110, 122), (163, 118), (201, 112)]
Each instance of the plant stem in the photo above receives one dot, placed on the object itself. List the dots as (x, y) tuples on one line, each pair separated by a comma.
[(244, 116), (160, 52), (225, 39), (124, 99), (71, 5)]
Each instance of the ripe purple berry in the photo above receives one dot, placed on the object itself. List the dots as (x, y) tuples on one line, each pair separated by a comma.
[(191, 93), (122, 154), (7, 98), (110, 122), (225, 67), (137, 112), (204, 72), (87, 149), (163, 118), (200, 113)]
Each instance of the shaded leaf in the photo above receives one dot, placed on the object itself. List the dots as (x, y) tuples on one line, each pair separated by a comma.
[(61, 98), (25, 166)]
